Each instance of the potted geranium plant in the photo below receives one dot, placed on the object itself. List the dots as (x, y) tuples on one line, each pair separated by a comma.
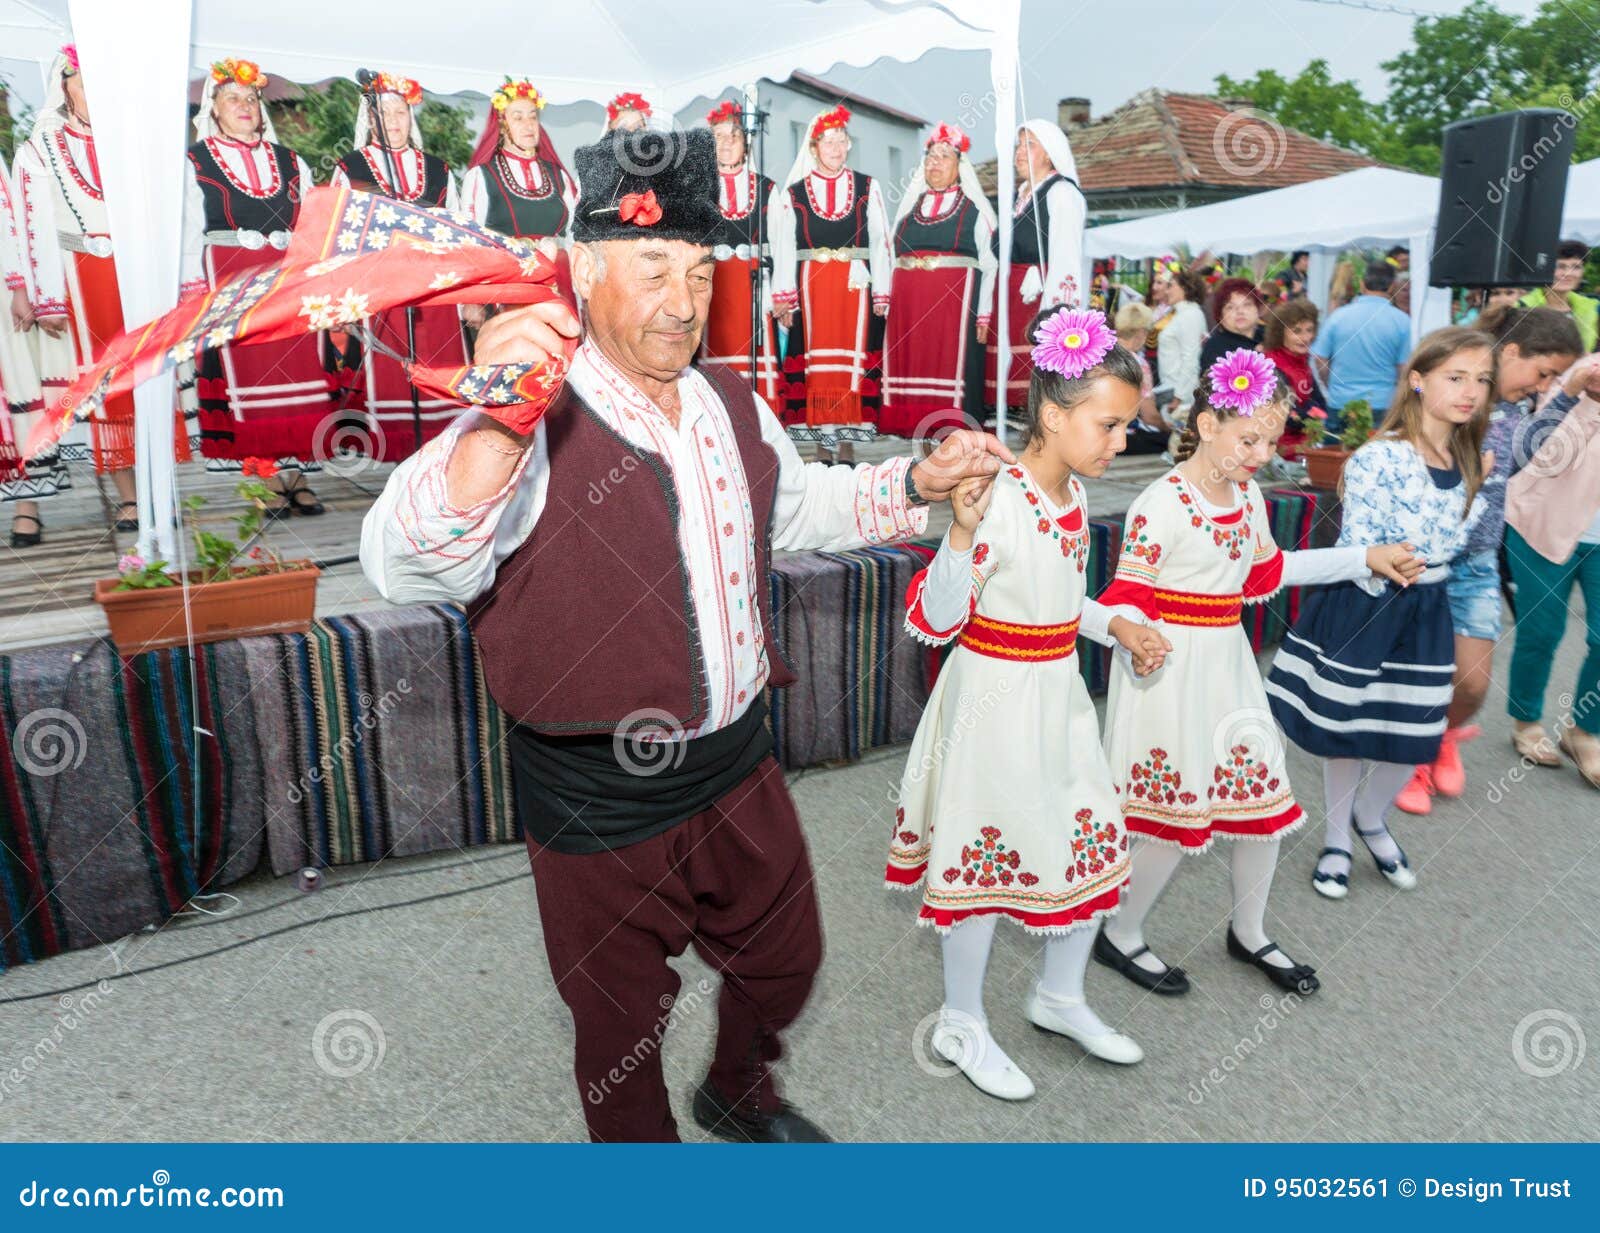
[(1325, 463), (238, 586)]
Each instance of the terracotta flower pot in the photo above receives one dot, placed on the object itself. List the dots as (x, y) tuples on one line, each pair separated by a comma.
[(1324, 465), (147, 619)]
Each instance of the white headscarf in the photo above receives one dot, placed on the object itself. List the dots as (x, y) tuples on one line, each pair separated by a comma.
[(1049, 135), (52, 112), (805, 162), (205, 124), (364, 124), (966, 176)]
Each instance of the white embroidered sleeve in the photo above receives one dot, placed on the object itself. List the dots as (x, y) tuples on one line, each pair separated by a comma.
[(880, 260), (1318, 565), (418, 547), (41, 249), (474, 200), (988, 269), (1067, 214), (780, 228), (192, 277)]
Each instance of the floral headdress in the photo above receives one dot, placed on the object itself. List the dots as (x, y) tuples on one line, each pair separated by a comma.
[(1168, 264), (514, 90), (724, 112), (242, 72), (949, 135), (1072, 342), (839, 117), (626, 102), (70, 51), (1242, 381), (391, 83)]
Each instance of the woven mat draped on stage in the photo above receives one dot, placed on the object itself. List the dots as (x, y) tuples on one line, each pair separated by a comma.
[(373, 736)]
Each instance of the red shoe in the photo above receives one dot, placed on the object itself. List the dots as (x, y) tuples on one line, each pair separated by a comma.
[(1417, 796), (1449, 776)]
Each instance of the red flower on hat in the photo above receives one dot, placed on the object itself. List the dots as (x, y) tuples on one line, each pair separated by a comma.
[(627, 102), (724, 112), (839, 117), (640, 209), (950, 135)]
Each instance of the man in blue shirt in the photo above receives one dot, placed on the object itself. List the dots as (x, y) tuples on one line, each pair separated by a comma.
[(1363, 346)]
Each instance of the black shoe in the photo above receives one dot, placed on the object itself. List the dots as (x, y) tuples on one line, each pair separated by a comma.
[(309, 507), (1170, 982), (1301, 978), (26, 539), (128, 524), (717, 1117)]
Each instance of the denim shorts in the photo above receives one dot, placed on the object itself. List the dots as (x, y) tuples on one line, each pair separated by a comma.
[(1473, 589)]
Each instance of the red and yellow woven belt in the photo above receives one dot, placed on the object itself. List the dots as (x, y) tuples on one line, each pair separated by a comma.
[(1030, 644), (1190, 608)]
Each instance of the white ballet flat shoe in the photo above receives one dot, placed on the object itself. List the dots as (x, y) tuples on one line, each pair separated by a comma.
[(965, 1042), (1108, 1046)]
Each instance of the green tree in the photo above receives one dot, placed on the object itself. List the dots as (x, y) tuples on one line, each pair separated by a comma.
[(327, 123), (1311, 101), (445, 133), (14, 117)]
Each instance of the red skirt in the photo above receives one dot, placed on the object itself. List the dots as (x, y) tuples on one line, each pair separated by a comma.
[(831, 367), (929, 378), (727, 339), (97, 312), (266, 400), (1019, 366), (385, 391)]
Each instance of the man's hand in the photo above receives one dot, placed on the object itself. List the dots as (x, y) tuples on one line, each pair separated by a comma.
[(880, 310), (964, 454), (1145, 643), (474, 315), (21, 311), (526, 335), (784, 317)]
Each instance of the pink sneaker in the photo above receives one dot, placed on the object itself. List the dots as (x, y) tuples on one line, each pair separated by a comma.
[(1449, 776), (1417, 796)]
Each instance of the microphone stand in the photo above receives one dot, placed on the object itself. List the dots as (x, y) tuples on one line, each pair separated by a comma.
[(754, 121), (375, 121)]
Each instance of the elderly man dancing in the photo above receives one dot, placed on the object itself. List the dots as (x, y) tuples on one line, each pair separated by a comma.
[(629, 637)]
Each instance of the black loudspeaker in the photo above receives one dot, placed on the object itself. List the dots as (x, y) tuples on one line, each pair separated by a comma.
[(1501, 192)]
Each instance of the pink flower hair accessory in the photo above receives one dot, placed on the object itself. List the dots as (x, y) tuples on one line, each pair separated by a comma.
[(70, 51), (1242, 380), (1072, 342)]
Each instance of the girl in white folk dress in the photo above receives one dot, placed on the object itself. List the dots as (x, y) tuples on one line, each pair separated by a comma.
[(1194, 748), (1006, 805)]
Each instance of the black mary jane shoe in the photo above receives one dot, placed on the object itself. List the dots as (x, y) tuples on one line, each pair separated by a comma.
[(1331, 885), (310, 507), (128, 524), (1301, 978), (26, 539), (1170, 983), (718, 1117)]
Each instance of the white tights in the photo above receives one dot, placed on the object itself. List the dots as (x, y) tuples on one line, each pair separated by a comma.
[(1251, 864), (1366, 801), (1066, 957)]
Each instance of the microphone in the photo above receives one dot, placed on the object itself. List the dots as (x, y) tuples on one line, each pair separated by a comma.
[(752, 120), (365, 77)]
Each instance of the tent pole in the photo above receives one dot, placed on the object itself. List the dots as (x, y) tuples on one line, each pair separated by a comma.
[(1003, 78)]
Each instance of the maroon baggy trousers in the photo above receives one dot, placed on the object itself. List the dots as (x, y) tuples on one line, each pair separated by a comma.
[(734, 882)]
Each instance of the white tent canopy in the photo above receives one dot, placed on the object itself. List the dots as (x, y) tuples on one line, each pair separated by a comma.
[(1580, 220), (138, 59), (1371, 207)]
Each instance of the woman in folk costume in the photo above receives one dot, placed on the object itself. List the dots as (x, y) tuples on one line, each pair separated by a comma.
[(627, 113), (1007, 807), (21, 399), (516, 182), (830, 283), (68, 245), (391, 161), (745, 197), (1194, 748), (941, 297), (269, 400), (1046, 250)]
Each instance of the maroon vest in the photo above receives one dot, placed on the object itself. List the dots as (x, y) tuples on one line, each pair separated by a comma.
[(591, 619)]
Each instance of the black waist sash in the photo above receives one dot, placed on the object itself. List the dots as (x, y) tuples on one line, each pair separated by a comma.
[(581, 794)]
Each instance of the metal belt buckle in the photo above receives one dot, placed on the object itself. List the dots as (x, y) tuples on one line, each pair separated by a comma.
[(97, 245), (279, 240), (743, 252), (722, 252), (253, 240)]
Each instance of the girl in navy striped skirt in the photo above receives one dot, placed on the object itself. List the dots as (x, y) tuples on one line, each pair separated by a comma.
[(1363, 678)]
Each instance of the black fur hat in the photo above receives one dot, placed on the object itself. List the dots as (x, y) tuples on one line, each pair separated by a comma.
[(680, 168)]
